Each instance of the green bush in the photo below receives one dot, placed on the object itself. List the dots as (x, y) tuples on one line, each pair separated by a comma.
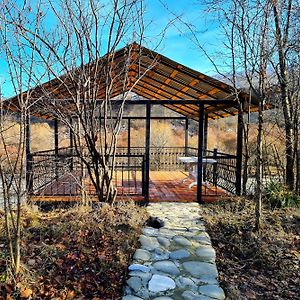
[(278, 196)]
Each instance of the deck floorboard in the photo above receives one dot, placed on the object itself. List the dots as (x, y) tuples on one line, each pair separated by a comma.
[(165, 186)]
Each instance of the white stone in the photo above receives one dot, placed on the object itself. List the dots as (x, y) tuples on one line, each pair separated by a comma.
[(189, 295), (179, 254), (160, 254), (202, 239), (141, 254), (144, 276), (163, 298), (166, 266), (159, 283), (199, 269), (131, 297), (206, 253), (182, 241), (138, 267), (202, 297), (163, 241), (183, 282), (148, 242), (150, 231), (135, 283), (213, 291)]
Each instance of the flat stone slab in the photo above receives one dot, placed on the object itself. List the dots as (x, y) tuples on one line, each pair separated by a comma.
[(131, 297), (213, 291), (141, 254), (159, 283), (165, 242), (182, 241), (206, 253), (138, 267), (175, 261), (148, 242), (199, 269), (179, 254), (166, 266), (135, 283)]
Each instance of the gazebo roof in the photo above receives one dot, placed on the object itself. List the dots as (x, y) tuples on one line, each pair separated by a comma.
[(152, 76)]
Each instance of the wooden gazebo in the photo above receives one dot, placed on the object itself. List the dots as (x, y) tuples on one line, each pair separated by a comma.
[(192, 94)]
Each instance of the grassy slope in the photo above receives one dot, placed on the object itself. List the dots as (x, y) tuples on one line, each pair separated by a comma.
[(254, 266), (78, 253)]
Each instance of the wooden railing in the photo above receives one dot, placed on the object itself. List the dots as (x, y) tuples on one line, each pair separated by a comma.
[(46, 167), (223, 173), (63, 173), (163, 158)]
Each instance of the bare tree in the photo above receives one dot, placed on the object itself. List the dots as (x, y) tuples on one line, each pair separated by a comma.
[(260, 46), (20, 62), (87, 73)]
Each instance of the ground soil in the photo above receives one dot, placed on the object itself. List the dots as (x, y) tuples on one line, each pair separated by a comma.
[(255, 265), (77, 253)]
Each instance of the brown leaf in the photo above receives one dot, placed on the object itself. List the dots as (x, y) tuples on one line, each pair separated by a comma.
[(26, 293)]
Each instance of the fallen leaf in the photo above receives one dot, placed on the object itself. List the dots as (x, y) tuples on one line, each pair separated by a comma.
[(26, 293)]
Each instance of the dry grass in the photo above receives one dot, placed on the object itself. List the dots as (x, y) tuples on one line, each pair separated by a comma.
[(252, 265), (77, 252)]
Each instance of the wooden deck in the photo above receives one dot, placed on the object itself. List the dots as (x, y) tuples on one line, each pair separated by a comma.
[(165, 186)]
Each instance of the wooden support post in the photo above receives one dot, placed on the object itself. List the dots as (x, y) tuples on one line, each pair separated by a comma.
[(56, 146), (147, 154), (29, 177), (205, 143), (239, 155), (186, 137), (200, 154)]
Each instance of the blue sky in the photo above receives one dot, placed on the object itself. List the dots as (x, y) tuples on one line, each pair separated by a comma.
[(177, 43)]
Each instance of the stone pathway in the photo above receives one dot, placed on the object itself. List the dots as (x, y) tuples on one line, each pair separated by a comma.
[(175, 261)]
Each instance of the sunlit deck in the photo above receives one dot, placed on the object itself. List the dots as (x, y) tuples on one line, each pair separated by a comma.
[(164, 186)]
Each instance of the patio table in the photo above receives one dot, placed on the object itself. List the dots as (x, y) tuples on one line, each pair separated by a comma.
[(191, 162)]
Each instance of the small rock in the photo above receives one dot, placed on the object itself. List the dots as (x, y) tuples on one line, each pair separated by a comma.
[(179, 254), (202, 238), (166, 266), (141, 254), (135, 283), (131, 297), (150, 231), (159, 283), (206, 253), (144, 276), (160, 254), (189, 295), (182, 240), (212, 291), (183, 282), (163, 298), (138, 267), (163, 241), (202, 297), (199, 269), (148, 242), (166, 232)]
